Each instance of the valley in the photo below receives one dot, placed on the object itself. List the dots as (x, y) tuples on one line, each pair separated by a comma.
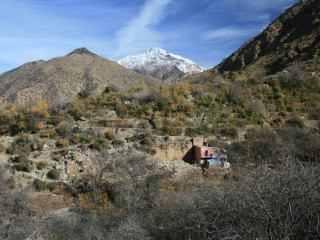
[(154, 146)]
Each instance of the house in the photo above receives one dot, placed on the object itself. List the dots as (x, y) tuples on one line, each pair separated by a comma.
[(205, 156)]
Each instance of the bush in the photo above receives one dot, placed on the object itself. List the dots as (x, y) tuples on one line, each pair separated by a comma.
[(191, 132), (83, 94), (49, 133), (21, 145), (297, 121), (117, 143), (230, 132), (62, 143), (83, 138), (110, 88), (23, 163), (110, 134), (54, 174), (202, 130), (41, 185), (39, 126), (99, 144), (147, 141), (41, 165), (63, 129)]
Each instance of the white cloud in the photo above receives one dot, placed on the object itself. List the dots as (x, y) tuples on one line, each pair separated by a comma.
[(140, 34), (226, 33)]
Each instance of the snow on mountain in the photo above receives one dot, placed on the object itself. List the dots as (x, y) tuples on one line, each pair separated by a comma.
[(157, 59)]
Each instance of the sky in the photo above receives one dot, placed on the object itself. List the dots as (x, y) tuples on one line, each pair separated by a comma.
[(205, 31)]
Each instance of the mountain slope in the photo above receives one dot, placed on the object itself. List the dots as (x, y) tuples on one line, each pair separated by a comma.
[(294, 36), (161, 64), (61, 78)]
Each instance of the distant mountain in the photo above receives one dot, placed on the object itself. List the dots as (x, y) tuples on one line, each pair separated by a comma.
[(292, 37), (61, 78), (161, 64)]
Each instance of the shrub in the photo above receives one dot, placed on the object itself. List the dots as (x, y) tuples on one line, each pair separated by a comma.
[(83, 94), (63, 129), (162, 104), (297, 121), (118, 143), (152, 151), (208, 99), (62, 143), (23, 163), (99, 144), (41, 185), (191, 132), (54, 174), (230, 132), (49, 133), (41, 165), (110, 134), (147, 141), (21, 145), (39, 126), (83, 138), (202, 130), (110, 88)]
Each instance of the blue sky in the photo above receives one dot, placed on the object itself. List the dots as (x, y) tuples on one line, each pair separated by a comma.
[(205, 31)]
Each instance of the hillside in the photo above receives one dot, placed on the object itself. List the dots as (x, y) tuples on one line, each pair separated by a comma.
[(61, 78), (108, 163), (230, 155), (292, 37), (161, 64)]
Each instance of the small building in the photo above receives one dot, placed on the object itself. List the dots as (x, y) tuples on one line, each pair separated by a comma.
[(207, 157), (202, 153)]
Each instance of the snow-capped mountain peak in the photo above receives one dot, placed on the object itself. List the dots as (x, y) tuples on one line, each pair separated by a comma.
[(156, 58)]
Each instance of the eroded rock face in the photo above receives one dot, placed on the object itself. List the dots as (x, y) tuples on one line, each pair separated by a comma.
[(294, 36)]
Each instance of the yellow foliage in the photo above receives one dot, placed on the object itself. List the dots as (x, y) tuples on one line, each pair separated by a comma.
[(40, 108), (39, 126), (180, 92), (99, 205)]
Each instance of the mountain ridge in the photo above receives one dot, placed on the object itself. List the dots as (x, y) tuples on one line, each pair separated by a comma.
[(161, 64), (61, 78), (294, 36)]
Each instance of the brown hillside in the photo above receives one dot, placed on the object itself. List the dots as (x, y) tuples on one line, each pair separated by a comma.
[(168, 74), (293, 37), (61, 78)]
